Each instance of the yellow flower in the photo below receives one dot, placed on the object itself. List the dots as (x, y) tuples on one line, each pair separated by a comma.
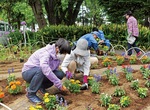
[(13, 87), (46, 100), (38, 106), (71, 80), (78, 82), (46, 94), (90, 77), (32, 108)]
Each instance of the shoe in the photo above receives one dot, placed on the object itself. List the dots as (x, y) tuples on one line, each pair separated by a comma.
[(84, 86), (139, 54), (34, 98), (42, 91)]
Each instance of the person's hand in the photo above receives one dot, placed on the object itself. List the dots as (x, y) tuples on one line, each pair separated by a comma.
[(69, 75), (64, 89), (100, 42)]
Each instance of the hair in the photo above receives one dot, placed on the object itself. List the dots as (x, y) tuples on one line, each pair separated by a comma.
[(63, 45), (95, 29), (129, 13)]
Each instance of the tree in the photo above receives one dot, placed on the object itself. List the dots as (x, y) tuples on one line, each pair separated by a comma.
[(117, 8), (62, 11), (16, 11), (36, 6)]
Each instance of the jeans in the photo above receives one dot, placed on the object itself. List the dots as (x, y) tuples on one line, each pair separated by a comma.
[(38, 80), (133, 45)]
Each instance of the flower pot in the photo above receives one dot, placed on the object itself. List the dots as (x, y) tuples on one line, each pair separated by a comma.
[(21, 60)]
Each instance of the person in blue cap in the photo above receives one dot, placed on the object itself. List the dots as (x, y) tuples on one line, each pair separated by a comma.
[(102, 38), (92, 43)]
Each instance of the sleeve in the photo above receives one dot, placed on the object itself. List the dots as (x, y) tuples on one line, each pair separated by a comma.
[(94, 43), (68, 58), (86, 66), (44, 64), (129, 26), (102, 35)]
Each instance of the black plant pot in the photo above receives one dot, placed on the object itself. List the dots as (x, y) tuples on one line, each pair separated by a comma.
[(21, 60), (15, 52)]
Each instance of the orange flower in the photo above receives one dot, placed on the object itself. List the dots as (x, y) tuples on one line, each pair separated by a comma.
[(18, 82), (2, 95), (13, 87), (11, 83)]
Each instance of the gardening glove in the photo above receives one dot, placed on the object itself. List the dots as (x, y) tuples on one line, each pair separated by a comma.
[(64, 90), (69, 75), (84, 86)]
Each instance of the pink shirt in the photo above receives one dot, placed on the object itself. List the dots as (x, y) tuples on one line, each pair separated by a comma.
[(132, 26)]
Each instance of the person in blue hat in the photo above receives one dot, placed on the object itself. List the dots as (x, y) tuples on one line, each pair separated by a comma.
[(91, 39), (102, 38)]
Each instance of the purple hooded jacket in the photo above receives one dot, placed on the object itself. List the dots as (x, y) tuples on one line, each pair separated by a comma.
[(46, 59), (132, 26)]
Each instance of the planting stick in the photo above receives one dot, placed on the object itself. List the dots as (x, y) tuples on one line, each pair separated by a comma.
[(5, 106)]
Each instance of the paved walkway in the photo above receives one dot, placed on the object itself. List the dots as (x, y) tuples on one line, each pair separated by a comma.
[(23, 104)]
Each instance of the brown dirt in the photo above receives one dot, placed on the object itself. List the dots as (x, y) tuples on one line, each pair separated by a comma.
[(82, 100)]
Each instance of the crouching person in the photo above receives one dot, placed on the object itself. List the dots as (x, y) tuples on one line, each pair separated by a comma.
[(41, 69), (78, 59)]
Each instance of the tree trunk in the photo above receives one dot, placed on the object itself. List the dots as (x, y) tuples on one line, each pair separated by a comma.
[(146, 22), (36, 6), (50, 6), (73, 10), (56, 14)]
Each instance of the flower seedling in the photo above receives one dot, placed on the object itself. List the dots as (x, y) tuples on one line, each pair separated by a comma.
[(120, 60), (50, 101), (14, 49), (146, 73), (125, 101), (145, 59), (54, 102), (95, 87), (90, 80), (135, 84), (14, 87), (106, 62), (147, 83), (119, 92), (113, 78), (132, 59), (107, 73), (142, 92), (105, 99), (73, 85), (142, 68), (113, 107), (129, 77), (127, 69), (11, 77)]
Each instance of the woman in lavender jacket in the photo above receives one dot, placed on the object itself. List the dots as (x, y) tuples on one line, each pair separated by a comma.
[(41, 69)]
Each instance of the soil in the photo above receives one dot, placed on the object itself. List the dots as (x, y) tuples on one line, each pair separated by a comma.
[(85, 99)]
